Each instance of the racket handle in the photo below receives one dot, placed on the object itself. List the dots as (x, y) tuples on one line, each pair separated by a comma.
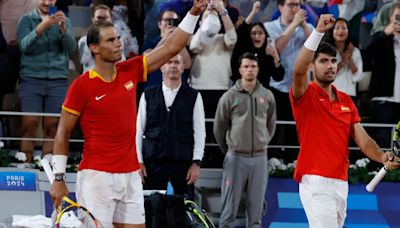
[(375, 181), (47, 169)]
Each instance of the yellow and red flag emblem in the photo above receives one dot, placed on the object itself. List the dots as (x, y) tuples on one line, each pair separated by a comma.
[(129, 85)]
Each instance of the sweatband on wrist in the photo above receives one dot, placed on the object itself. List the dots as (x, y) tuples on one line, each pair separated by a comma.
[(313, 40), (188, 24), (59, 163)]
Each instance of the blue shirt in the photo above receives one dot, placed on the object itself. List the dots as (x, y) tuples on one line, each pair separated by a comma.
[(288, 56)]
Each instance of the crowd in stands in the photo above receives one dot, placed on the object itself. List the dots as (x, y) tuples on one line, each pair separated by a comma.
[(34, 62)]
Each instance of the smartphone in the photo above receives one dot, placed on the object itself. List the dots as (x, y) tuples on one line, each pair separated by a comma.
[(398, 17), (52, 10)]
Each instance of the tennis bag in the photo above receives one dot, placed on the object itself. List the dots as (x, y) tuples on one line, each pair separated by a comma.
[(173, 211), (197, 217), (165, 211)]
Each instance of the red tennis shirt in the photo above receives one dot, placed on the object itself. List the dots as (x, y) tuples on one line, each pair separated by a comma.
[(107, 115), (323, 130)]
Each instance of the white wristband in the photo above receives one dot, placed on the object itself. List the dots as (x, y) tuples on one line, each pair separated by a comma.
[(59, 163), (313, 40), (188, 24)]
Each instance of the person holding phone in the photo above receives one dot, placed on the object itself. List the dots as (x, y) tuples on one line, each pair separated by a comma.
[(45, 40)]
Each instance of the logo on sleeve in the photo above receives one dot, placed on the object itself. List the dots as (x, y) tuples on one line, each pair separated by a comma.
[(129, 85)]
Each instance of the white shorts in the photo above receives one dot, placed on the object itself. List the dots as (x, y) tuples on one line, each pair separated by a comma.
[(324, 200), (111, 197)]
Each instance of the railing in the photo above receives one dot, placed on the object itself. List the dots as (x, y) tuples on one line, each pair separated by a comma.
[(208, 120)]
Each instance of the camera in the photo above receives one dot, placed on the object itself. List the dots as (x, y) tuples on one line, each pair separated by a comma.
[(52, 10)]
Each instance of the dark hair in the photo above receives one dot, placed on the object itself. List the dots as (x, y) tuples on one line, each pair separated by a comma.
[(263, 29), (394, 6), (248, 55), (328, 37), (93, 35), (161, 14), (325, 48), (281, 2), (101, 6)]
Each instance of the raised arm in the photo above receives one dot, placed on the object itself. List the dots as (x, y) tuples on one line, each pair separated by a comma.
[(253, 13), (305, 57), (177, 40)]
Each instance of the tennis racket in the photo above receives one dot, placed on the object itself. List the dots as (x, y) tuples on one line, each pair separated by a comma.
[(396, 151), (73, 214)]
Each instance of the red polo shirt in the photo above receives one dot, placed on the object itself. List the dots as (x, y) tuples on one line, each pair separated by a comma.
[(107, 115), (323, 129)]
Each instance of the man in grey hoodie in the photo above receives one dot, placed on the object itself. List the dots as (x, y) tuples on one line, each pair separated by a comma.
[(245, 122)]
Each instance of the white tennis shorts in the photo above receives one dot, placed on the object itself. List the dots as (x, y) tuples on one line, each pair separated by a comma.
[(111, 197), (324, 201)]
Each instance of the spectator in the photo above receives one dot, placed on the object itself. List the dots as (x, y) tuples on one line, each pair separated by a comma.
[(100, 12), (120, 20), (325, 120), (167, 22), (352, 10), (383, 18), (10, 12), (383, 53), (289, 31), (170, 133), (211, 68), (350, 65), (254, 38), (45, 42), (244, 125)]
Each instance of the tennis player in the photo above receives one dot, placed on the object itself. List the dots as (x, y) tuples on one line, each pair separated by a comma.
[(103, 101), (325, 119)]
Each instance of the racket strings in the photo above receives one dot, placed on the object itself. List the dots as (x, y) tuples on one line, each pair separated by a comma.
[(76, 218)]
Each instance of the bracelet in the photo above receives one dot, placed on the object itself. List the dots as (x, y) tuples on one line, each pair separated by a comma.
[(313, 40), (223, 13), (59, 163), (188, 24)]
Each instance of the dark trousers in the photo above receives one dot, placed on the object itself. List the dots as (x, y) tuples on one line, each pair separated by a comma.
[(160, 172)]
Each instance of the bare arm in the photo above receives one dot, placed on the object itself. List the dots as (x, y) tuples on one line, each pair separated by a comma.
[(300, 81), (65, 127), (369, 147), (366, 144), (174, 43), (254, 11)]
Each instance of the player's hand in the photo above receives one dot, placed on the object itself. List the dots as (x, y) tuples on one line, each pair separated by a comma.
[(142, 172), (193, 174), (325, 22), (391, 161), (57, 191), (198, 7)]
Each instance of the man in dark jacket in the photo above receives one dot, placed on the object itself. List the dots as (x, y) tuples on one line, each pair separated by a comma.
[(170, 132)]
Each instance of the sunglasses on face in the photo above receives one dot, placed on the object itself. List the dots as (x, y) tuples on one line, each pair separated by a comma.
[(171, 21)]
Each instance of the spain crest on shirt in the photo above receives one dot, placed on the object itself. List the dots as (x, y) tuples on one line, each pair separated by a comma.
[(129, 85)]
